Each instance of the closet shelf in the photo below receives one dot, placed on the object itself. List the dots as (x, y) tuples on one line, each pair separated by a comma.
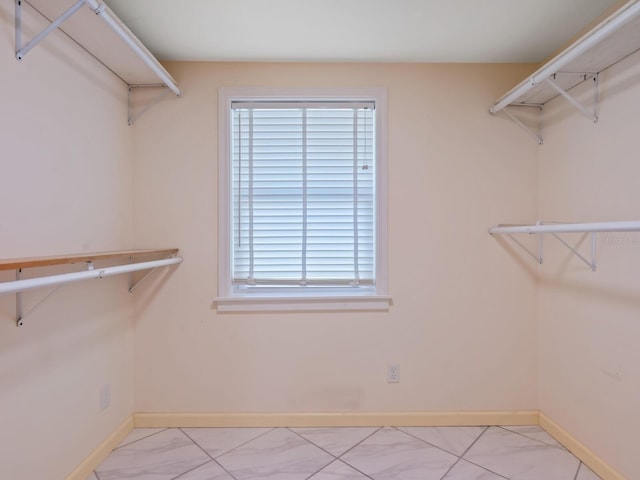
[(612, 40), (594, 227), (555, 228), (109, 41), (32, 262), (128, 261)]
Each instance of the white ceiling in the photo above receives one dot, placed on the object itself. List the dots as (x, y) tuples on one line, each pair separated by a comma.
[(357, 30)]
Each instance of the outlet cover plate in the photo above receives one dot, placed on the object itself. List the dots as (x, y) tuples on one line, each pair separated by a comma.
[(393, 373), (105, 396)]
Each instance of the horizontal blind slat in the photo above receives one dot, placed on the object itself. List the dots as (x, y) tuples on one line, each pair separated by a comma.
[(271, 204), (282, 105)]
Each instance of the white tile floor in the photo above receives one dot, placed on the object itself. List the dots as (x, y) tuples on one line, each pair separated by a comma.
[(386, 453)]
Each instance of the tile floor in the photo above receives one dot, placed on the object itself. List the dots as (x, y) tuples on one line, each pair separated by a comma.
[(379, 453)]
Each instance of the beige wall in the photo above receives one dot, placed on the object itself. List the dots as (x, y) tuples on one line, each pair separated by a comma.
[(462, 326), (464, 322), (65, 187), (589, 372)]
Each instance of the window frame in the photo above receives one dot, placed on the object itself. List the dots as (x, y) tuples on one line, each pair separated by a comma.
[(229, 300)]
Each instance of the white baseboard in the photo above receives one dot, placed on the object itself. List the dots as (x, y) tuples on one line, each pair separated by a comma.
[(352, 419), (590, 459), (104, 449)]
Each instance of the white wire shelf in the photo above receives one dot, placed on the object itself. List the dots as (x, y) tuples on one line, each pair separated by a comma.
[(594, 227), (609, 42), (109, 41), (554, 229)]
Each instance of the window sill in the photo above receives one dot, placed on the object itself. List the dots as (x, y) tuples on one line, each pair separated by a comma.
[(303, 304)]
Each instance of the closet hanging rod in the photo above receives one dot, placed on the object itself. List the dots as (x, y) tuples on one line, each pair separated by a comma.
[(595, 227), (607, 27), (130, 39), (27, 284), (113, 22)]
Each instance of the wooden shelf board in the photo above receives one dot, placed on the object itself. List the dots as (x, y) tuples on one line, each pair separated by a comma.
[(31, 262)]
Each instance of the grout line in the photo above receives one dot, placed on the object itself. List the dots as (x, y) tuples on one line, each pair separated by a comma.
[(477, 465), (365, 438), (313, 443), (474, 442), (227, 471), (361, 441), (196, 443), (137, 440), (321, 468), (483, 468), (211, 456), (232, 449), (356, 469), (335, 459), (451, 468), (463, 454), (273, 429), (432, 444), (561, 447), (189, 471), (578, 471)]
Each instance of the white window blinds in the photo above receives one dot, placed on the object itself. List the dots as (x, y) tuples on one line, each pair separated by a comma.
[(303, 187)]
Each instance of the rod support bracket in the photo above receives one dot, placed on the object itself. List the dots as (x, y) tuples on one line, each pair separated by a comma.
[(21, 50), (541, 228), (589, 113), (132, 113), (537, 136), (19, 316), (20, 285)]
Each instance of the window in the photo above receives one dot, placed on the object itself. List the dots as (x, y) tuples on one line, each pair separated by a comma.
[(302, 200)]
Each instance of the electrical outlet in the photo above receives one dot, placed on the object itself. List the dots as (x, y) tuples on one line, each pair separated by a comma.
[(105, 396), (393, 373)]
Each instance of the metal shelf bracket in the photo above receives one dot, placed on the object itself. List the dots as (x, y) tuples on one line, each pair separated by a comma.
[(134, 113), (133, 285), (539, 257), (21, 50), (89, 272), (101, 10), (20, 315), (591, 264), (554, 229), (537, 136), (592, 113)]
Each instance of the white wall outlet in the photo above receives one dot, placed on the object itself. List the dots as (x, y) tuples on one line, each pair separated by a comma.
[(105, 396), (393, 373)]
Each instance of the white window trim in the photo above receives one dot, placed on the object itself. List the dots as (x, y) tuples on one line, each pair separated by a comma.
[(228, 300)]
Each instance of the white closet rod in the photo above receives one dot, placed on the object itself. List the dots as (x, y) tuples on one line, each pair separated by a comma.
[(628, 226), (113, 22), (130, 39), (610, 25), (27, 284)]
